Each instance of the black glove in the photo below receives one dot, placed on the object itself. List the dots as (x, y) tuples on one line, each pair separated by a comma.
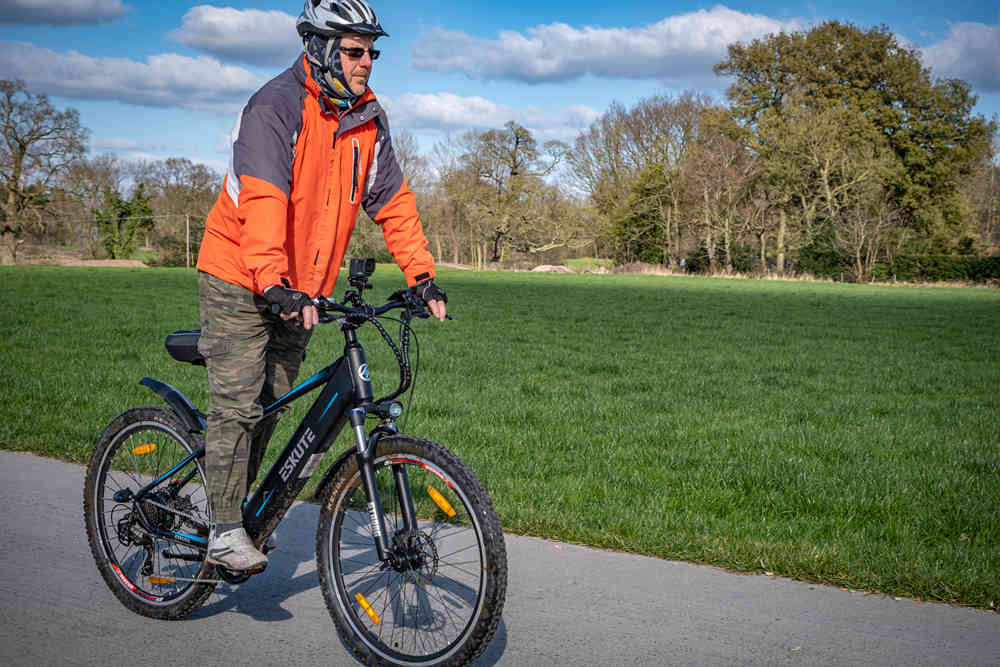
[(428, 291), (291, 301)]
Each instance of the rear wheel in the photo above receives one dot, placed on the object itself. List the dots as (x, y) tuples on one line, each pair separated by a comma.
[(440, 601), (150, 551)]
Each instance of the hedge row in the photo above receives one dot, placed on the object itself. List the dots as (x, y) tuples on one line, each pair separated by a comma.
[(940, 268)]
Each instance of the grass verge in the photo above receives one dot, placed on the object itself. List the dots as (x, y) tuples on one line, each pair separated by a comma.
[(845, 434)]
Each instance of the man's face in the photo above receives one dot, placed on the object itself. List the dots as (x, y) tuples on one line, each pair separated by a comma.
[(356, 70)]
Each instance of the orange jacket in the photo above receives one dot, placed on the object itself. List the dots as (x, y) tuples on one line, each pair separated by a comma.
[(298, 173)]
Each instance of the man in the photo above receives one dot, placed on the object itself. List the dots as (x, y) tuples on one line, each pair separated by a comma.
[(310, 148)]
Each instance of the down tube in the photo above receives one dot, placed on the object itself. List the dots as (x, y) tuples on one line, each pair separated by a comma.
[(296, 463)]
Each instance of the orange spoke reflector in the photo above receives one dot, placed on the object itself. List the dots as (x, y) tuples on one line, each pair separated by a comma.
[(160, 580), (368, 608), (144, 449), (440, 501)]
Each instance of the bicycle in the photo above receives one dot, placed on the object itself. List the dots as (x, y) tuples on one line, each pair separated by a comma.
[(410, 555)]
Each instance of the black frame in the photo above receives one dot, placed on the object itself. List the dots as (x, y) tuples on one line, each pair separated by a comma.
[(346, 396)]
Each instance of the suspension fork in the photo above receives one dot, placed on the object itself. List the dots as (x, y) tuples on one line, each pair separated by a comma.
[(365, 447)]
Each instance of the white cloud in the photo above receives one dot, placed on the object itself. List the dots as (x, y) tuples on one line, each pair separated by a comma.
[(971, 52), (165, 80), (248, 36), (448, 113), (65, 12), (114, 145), (680, 48)]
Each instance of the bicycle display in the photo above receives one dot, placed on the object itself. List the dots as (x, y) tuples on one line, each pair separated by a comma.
[(411, 560)]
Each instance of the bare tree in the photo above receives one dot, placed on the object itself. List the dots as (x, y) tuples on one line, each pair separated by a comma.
[(39, 143)]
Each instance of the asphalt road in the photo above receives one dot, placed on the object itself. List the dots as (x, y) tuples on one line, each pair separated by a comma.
[(566, 605)]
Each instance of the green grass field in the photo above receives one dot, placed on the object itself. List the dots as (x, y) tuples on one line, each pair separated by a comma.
[(846, 434)]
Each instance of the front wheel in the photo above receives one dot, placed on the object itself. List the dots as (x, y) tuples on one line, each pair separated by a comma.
[(440, 600)]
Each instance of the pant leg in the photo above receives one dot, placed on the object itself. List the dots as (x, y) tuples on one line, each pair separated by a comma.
[(284, 354), (233, 341)]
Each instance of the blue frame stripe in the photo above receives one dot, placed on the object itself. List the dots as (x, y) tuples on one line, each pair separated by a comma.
[(264, 504), (329, 405), (308, 385), (191, 537)]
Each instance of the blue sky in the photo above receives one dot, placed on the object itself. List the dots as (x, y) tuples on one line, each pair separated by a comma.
[(166, 79)]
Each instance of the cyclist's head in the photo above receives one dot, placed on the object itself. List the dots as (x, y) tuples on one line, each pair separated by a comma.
[(323, 25), (332, 18)]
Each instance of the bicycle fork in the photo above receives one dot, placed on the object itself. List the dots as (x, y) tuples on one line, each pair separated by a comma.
[(365, 446)]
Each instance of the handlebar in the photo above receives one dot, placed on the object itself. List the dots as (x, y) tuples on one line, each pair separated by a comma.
[(361, 311)]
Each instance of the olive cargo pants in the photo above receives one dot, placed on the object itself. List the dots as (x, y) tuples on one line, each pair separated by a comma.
[(253, 358)]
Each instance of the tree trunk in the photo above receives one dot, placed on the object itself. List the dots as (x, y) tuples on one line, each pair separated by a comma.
[(668, 254), (709, 240), (8, 249), (782, 222), (727, 242), (437, 242)]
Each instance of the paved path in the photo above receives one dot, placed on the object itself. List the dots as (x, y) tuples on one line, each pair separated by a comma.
[(566, 605)]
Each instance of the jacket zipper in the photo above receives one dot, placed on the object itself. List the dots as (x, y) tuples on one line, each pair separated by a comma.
[(354, 170)]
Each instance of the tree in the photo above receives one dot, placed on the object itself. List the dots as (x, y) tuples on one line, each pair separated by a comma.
[(984, 198), (121, 221), (927, 124), (817, 163), (509, 170), (39, 143), (628, 161), (84, 184)]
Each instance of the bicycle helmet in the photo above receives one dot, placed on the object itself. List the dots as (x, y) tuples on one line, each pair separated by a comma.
[(332, 18)]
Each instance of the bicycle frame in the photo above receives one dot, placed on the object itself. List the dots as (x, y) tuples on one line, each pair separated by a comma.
[(346, 395)]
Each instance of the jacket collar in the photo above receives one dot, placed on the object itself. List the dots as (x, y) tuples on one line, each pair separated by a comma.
[(366, 108)]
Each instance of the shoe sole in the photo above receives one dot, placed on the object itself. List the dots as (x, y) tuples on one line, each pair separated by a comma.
[(253, 569)]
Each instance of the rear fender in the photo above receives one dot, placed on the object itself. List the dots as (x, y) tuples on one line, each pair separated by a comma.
[(192, 417)]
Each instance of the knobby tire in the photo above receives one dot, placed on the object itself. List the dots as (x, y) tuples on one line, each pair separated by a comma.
[(137, 447), (445, 609)]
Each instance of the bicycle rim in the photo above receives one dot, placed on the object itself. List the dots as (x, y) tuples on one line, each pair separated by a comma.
[(422, 615), (156, 571)]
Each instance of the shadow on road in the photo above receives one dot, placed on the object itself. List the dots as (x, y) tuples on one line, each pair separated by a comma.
[(291, 570)]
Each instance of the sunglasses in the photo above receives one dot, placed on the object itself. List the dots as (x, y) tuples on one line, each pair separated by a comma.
[(354, 52)]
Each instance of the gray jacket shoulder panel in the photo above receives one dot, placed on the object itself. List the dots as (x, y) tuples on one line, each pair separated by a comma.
[(266, 132)]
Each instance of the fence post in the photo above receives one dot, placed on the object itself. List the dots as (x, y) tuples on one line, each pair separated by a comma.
[(187, 234)]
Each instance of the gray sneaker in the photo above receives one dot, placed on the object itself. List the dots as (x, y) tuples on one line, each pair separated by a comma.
[(234, 550)]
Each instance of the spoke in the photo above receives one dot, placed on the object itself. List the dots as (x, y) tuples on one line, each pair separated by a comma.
[(458, 551), (471, 573)]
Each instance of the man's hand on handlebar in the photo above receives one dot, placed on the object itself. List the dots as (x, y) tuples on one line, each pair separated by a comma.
[(433, 296), (293, 304)]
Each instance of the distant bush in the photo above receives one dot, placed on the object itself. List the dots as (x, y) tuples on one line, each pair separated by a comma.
[(742, 258), (821, 259), (942, 268)]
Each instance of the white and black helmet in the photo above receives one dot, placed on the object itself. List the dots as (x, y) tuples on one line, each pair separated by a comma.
[(337, 17)]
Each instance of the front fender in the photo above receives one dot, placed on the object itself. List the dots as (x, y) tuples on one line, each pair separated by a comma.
[(192, 417)]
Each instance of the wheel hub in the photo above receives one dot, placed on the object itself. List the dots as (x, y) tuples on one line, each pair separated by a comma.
[(416, 556)]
